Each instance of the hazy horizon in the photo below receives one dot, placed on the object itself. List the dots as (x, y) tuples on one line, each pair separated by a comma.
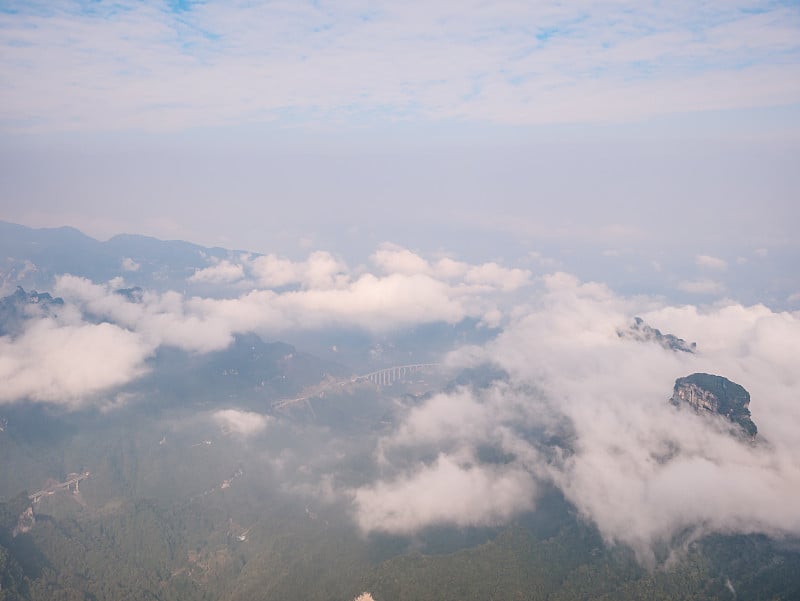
[(613, 141)]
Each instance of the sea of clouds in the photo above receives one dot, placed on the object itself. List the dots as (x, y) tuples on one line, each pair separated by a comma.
[(581, 408)]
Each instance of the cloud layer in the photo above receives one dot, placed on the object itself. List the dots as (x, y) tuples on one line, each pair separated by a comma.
[(103, 338), (642, 470), (580, 407), (167, 66)]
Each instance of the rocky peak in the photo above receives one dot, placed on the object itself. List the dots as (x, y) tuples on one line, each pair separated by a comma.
[(639, 330), (17, 307), (715, 394), (21, 297)]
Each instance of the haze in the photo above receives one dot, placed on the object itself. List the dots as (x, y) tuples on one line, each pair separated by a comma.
[(620, 143)]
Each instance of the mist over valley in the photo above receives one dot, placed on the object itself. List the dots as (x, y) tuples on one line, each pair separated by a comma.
[(323, 429)]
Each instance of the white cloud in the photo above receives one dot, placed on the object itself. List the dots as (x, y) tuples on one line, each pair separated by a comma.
[(129, 264), (434, 421), (67, 363), (222, 272), (492, 274), (451, 269), (204, 324), (711, 262), (640, 469), (319, 292), (623, 423), (273, 272), (325, 293), (395, 259), (245, 423), (446, 491), (379, 303), (160, 319), (320, 270)]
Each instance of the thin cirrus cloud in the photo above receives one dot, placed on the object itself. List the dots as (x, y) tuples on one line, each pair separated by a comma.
[(69, 66)]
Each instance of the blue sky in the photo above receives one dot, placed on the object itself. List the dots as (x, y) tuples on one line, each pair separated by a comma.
[(578, 130)]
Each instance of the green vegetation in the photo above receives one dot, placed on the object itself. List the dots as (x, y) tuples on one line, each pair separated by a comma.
[(142, 550), (177, 510), (732, 399)]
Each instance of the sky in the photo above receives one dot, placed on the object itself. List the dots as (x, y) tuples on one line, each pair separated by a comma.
[(622, 142)]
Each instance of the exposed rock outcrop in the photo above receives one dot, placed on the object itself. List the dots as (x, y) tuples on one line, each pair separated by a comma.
[(639, 330), (25, 523), (715, 394)]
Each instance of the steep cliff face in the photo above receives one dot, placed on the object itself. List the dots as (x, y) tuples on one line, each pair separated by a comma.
[(25, 523), (716, 394)]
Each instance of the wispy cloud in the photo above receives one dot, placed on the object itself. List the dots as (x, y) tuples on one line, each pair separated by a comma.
[(129, 264), (68, 65), (221, 272)]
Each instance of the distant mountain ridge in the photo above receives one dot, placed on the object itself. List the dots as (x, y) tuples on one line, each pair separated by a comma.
[(32, 257), (250, 370)]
